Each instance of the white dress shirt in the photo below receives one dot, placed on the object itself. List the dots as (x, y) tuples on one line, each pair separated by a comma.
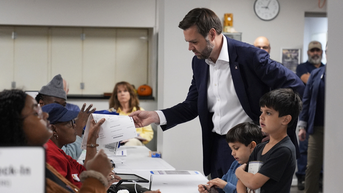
[(222, 99)]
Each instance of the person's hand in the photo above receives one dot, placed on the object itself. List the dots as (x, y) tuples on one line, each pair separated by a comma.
[(111, 178), (302, 134), (144, 118), (201, 188), (217, 182), (240, 169), (82, 118), (94, 129), (305, 77), (100, 163), (153, 191)]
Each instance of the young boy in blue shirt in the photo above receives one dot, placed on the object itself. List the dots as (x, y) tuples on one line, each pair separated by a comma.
[(242, 139), (279, 110)]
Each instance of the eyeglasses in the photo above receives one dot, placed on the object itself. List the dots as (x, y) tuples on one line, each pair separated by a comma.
[(70, 123), (37, 111)]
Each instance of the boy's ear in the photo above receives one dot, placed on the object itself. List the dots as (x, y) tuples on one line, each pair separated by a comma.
[(286, 119), (253, 145)]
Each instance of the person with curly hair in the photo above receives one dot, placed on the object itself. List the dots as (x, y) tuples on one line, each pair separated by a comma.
[(124, 101)]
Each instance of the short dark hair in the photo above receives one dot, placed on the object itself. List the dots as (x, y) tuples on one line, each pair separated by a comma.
[(205, 19), (283, 100), (12, 102), (245, 133)]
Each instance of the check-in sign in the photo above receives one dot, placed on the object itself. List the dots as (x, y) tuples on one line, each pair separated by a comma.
[(22, 169)]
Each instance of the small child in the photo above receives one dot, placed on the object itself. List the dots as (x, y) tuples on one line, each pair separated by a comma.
[(242, 140), (279, 110)]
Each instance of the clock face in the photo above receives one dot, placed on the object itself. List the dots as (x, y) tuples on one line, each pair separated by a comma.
[(266, 9)]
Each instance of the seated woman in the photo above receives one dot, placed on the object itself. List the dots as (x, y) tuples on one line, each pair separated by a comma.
[(24, 124), (124, 101), (63, 127)]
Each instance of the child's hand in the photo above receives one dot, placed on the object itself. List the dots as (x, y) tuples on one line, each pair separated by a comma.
[(240, 169), (201, 188), (217, 182)]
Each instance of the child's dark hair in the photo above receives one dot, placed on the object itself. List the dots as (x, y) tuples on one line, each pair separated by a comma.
[(283, 100), (245, 133)]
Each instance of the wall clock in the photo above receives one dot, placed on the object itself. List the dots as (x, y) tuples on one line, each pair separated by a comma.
[(266, 9)]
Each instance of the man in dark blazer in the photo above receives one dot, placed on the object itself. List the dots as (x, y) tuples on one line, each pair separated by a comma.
[(245, 70)]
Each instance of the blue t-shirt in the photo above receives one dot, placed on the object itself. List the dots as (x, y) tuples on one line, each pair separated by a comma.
[(230, 178)]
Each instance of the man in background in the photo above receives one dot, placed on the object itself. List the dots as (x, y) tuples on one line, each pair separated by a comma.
[(262, 43), (311, 127), (314, 53), (303, 71)]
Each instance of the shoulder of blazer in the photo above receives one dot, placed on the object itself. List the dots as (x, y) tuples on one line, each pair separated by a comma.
[(235, 46)]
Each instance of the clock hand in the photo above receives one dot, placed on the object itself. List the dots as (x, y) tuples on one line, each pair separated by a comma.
[(268, 4)]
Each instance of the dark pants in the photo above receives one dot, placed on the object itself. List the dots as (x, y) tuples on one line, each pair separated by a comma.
[(302, 160), (221, 156)]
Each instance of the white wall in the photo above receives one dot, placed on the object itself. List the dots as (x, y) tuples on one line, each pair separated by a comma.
[(333, 142)]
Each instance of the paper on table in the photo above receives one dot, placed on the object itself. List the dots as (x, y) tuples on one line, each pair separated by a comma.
[(114, 129)]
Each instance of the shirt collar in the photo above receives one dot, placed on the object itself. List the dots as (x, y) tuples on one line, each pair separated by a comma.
[(223, 55)]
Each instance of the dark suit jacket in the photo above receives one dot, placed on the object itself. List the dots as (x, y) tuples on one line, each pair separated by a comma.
[(310, 98), (253, 74)]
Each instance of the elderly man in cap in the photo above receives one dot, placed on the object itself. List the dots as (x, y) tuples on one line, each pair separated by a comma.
[(53, 92), (303, 71)]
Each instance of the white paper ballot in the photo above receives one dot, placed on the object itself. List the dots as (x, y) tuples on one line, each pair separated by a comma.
[(254, 166), (115, 128)]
